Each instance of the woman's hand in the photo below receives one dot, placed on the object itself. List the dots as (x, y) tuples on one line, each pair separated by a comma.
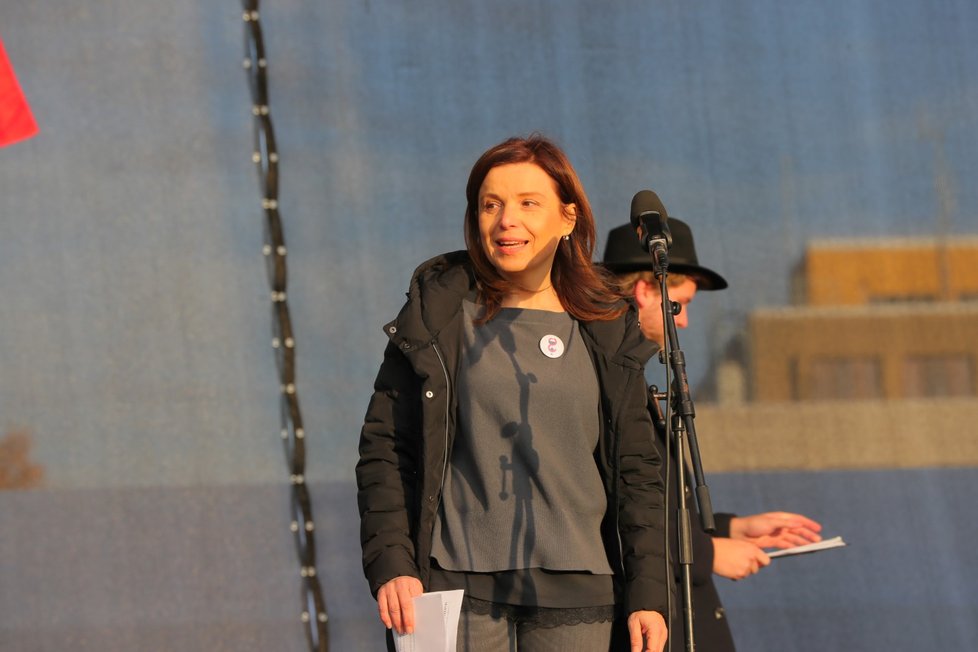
[(736, 560), (647, 631), (775, 529), (395, 604)]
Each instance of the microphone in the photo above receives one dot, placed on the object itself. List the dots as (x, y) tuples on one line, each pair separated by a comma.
[(650, 219), (649, 215)]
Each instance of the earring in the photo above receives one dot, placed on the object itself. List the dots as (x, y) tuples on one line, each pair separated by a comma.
[(566, 238)]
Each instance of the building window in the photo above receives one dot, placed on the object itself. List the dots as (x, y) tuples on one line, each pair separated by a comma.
[(844, 378), (938, 375)]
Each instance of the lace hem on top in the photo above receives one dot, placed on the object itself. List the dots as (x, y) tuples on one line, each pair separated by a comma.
[(539, 617)]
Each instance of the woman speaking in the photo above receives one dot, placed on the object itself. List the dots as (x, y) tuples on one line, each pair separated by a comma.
[(507, 449)]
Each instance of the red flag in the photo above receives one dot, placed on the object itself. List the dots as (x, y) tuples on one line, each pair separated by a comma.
[(16, 120)]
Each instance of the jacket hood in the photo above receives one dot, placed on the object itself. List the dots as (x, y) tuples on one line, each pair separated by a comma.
[(622, 339), (438, 287)]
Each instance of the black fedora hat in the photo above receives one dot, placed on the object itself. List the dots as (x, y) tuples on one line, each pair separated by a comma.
[(624, 253)]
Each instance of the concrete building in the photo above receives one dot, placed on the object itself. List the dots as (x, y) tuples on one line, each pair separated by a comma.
[(879, 270), (874, 319)]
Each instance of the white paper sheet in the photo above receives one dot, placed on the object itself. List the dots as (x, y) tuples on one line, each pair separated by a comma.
[(435, 623), (834, 542)]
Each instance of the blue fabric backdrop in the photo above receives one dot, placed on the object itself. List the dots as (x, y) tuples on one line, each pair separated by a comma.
[(135, 342)]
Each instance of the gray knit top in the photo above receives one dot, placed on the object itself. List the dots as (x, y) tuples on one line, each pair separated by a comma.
[(522, 490)]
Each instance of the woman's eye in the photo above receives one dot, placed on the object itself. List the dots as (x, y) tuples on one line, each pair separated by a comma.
[(530, 202), (490, 206)]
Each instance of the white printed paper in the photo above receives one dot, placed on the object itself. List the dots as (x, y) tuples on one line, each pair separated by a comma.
[(435, 623)]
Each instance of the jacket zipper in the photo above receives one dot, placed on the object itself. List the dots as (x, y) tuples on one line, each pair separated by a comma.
[(615, 474), (444, 466)]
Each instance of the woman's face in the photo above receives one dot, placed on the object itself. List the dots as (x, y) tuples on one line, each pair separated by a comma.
[(521, 222)]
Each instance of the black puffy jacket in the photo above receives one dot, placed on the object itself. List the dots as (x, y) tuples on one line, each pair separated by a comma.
[(409, 428)]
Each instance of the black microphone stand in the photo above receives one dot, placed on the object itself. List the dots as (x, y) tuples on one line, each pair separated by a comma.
[(679, 404)]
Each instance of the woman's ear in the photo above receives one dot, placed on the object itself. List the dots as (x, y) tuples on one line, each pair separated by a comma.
[(570, 217)]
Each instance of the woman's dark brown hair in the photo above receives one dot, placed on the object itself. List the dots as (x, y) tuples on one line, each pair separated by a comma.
[(585, 290)]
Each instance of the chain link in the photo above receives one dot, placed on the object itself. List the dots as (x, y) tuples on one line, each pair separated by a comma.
[(313, 615)]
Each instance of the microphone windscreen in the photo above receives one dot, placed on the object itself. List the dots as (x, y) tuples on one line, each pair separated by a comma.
[(646, 201)]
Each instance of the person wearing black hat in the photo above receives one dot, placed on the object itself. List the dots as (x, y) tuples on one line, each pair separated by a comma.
[(632, 265), (736, 550)]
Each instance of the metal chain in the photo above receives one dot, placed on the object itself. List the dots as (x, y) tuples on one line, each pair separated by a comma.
[(265, 156)]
